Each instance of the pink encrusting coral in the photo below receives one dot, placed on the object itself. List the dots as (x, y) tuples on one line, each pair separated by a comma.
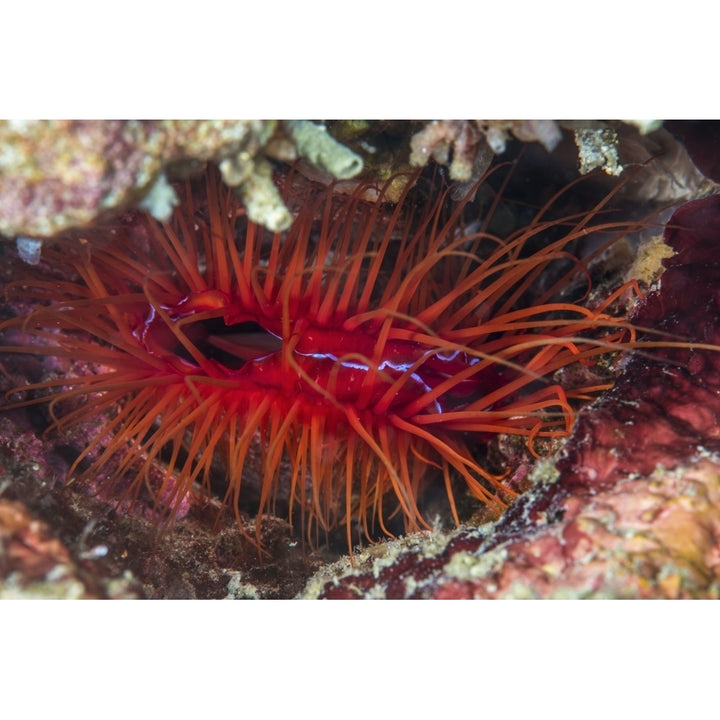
[(632, 507)]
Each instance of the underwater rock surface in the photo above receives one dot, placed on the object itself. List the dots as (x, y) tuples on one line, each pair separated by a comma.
[(57, 174)]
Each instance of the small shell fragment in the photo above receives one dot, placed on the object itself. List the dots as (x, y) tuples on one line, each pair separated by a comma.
[(29, 249)]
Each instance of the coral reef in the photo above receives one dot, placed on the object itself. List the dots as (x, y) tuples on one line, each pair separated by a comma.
[(60, 542), (467, 147), (628, 509), (60, 173)]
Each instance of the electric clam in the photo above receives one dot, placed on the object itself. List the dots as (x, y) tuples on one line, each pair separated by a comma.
[(362, 354)]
